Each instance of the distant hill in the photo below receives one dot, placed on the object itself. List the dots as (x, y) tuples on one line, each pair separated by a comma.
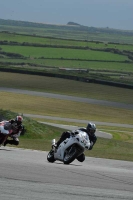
[(73, 24)]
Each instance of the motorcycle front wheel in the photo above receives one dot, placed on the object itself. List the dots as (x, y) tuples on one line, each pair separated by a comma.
[(50, 156), (70, 154)]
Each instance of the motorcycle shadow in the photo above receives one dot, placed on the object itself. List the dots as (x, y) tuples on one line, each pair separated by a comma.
[(5, 149), (72, 164)]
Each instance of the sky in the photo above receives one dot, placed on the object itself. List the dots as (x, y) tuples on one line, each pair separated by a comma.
[(116, 14)]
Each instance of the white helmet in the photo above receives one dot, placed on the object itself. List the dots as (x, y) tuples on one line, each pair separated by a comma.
[(19, 120)]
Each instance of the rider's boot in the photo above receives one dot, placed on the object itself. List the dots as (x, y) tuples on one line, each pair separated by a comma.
[(9, 142), (54, 145), (5, 143)]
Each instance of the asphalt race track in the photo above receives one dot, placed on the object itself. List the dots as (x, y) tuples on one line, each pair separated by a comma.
[(26, 175)]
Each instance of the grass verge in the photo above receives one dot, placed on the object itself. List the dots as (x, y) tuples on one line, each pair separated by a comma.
[(67, 87), (28, 104)]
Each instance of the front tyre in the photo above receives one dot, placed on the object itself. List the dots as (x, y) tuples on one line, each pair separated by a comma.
[(70, 154), (50, 156)]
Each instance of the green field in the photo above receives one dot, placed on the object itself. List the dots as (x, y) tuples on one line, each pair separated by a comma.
[(36, 52), (103, 61), (65, 42)]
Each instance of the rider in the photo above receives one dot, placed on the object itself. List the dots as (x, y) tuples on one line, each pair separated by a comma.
[(18, 127), (90, 130)]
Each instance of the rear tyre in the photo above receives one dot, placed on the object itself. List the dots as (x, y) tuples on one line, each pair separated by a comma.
[(70, 154), (3, 138), (81, 158), (50, 156)]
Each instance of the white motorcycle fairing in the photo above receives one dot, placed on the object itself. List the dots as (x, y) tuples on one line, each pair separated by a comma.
[(73, 146)]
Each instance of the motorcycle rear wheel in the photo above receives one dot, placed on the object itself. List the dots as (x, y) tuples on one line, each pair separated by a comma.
[(70, 155), (50, 156), (3, 138)]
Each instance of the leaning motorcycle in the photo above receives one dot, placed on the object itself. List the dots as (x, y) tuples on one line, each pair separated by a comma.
[(5, 131), (70, 148)]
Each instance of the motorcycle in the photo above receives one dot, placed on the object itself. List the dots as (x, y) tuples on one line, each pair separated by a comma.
[(70, 148), (5, 131)]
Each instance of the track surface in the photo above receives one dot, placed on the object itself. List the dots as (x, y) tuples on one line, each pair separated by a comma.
[(26, 175)]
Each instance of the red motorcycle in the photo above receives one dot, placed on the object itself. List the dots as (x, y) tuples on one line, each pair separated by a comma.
[(5, 131)]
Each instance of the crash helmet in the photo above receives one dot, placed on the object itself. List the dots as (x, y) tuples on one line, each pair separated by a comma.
[(91, 128), (19, 120)]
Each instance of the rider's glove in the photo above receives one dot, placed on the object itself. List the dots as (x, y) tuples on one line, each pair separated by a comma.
[(87, 147), (74, 133), (91, 146)]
